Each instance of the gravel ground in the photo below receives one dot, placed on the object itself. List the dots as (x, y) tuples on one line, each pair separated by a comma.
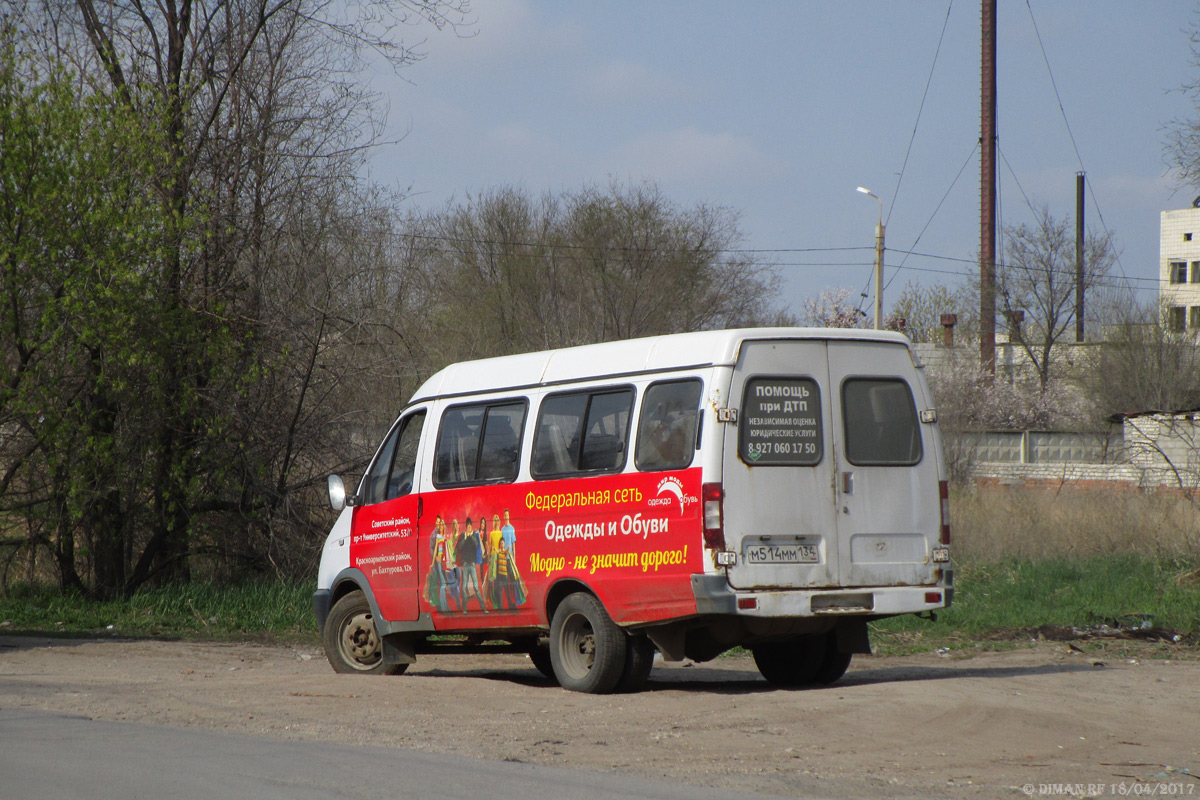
[(1042, 719)]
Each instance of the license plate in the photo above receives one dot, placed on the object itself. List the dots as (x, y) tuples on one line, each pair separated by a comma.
[(782, 554)]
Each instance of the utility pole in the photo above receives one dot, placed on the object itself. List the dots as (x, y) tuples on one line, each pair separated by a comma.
[(879, 275), (878, 261), (987, 188), (1079, 256)]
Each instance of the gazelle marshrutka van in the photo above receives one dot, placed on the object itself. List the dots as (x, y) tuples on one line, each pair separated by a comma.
[(773, 488)]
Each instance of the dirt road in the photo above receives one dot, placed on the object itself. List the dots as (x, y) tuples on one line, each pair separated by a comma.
[(1042, 720)]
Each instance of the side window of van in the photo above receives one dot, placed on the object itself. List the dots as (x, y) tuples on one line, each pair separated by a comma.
[(881, 422), (375, 486), (667, 426), (391, 475), (405, 464), (582, 432), (479, 443)]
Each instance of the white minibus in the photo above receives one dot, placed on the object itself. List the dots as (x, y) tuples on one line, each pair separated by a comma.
[(775, 489)]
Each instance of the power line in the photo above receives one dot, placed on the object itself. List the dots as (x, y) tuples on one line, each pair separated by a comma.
[(1054, 84), (1071, 135), (920, 109), (967, 264), (928, 222)]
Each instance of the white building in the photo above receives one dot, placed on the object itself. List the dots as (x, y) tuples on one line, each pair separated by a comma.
[(1179, 268)]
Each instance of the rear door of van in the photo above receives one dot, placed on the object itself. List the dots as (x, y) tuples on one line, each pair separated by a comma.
[(888, 462), (829, 478)]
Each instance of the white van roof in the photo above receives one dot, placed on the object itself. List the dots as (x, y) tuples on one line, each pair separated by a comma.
[(627, 357)]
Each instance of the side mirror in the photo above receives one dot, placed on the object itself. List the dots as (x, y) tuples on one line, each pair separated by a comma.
[(337, 492)]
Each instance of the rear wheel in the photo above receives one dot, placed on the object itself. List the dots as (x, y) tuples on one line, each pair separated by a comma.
[(540, 656), (639, 660), (352, 644), (836, 662), (792, 662), (587, 649)]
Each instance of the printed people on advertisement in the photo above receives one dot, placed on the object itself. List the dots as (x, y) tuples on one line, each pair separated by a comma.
[(433, 579), (442, 584), (452, 575), (480, 544), (470, 556), (497, 565), (474, 561), (506, 589), (510, 536)]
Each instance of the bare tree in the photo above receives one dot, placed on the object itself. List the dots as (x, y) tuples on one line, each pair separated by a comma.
[(1035, 286), (922, 307), (1181, 147), (509, 273), (1145, 366)]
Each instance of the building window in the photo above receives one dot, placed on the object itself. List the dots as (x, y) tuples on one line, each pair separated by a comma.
[(1196, 272), (1194, 318), (1187, 237), (1176, 317), (1178, 271)]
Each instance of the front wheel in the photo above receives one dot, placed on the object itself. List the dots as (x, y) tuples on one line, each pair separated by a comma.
[(587, 649), (352, 644)]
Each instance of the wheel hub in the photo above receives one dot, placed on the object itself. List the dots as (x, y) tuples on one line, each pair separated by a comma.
[(359, 642)]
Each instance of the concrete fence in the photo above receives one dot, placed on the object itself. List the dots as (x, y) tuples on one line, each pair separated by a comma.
[(1149, 451)]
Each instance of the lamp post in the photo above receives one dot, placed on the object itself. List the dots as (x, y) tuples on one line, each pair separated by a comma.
[(878, 260)]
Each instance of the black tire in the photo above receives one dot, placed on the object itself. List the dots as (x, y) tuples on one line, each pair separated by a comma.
[(587, 648), (836, 662), (540, 656), (639, 660), (352, 644), (793, 662)]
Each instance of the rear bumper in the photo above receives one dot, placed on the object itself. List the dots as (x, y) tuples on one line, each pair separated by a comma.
[(715, 596)]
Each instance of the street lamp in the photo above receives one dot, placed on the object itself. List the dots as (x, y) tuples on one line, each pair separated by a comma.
[(878, 261)]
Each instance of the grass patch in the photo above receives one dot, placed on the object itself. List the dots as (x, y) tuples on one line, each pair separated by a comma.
[(280, 610), (994, 525), (997, 603)]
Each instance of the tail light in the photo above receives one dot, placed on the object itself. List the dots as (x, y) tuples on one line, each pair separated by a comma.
[(944, 496), (714, 528)]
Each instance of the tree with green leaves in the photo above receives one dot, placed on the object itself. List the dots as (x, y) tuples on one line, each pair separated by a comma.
[(259, 127), (79, 239)]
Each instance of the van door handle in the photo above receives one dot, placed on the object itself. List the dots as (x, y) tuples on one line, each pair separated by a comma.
[(847, 483)]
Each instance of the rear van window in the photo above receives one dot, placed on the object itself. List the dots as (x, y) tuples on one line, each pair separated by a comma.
[(881, 422), (582, 432), (780, 422)]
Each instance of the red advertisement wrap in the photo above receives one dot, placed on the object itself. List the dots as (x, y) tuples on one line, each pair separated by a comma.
[(485, 556), (383, 544)]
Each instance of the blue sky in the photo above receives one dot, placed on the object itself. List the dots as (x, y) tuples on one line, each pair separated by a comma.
[(779, 110)]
